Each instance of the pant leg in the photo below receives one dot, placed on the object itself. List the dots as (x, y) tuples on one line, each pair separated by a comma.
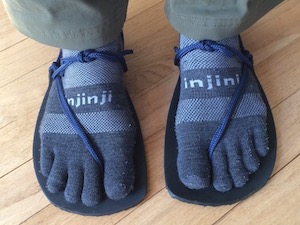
[(215, 19), (70, 24)]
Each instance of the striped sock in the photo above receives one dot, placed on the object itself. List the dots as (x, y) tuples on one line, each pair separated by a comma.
[(96, 93), (208, 80)]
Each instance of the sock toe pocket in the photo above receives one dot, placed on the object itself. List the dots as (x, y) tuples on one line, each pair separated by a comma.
[(221, 178), (119, 171), (74, 185), (236, 167), (192, 162), (91, 193), (261, 141), (57, 178), (195, 181), (119, 178), (250, 158), (117, 190), (46, 160), (193, 167)]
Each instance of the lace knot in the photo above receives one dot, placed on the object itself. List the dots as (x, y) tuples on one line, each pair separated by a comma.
[(54, 66), (207, 45), (85, 56)]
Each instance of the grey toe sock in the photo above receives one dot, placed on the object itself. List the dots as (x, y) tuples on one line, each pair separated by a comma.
[(95, 92), (208, 80)]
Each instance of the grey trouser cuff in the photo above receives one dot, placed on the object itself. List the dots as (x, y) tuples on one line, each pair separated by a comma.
[(69, 24), (84, 24), (215, 19)]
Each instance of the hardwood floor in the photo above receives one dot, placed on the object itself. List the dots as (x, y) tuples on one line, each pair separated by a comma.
[(275, 44)]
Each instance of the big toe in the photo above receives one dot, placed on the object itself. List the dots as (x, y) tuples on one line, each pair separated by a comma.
[(193, 169), (119, 177), (192, 161), (119, 169)]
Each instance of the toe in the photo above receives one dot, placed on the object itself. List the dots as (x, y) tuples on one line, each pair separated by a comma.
[(236, 167), (221, 178), (119, 179), (192, 161), (250, 158), (119, 174), (193, 167), (46, 160), (91, 193), (261, 141), (57, 178), (74, 185), (119, 171)]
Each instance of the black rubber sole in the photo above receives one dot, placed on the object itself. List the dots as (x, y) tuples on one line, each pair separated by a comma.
[(209, 196), (106, 206)]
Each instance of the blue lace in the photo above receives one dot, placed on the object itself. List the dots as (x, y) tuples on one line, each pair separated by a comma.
[(57, 70), (247, 60)]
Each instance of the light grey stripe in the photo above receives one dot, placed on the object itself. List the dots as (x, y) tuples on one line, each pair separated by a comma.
[(96, 122), (96, 72), (199, 59), (212, 109)]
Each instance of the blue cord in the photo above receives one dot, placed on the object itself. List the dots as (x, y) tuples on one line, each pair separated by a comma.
[(57, 70), (245, 57)]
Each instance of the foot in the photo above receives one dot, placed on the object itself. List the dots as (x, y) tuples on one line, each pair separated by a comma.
[(96, 94), (208, 80)]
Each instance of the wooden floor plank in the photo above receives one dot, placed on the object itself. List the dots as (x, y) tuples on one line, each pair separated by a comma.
[(153, 49), (21, 196), (162, 209), (23, 58), (8, 34), (19, 106), (288, 126), (135, 7), (276, 204), (279, 24)]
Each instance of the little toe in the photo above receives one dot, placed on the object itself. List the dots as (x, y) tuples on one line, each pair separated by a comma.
[(74, 185), (250, 158), (91, 193), (236, 167), (221, 178), (46, 159), (261, 141), (57, 178)]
